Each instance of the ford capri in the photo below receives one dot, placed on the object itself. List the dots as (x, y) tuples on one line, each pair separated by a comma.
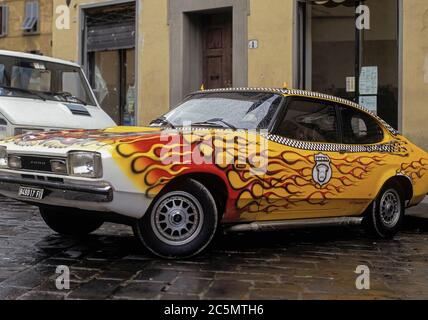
[(229, 159)]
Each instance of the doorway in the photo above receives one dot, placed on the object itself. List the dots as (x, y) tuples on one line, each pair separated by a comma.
[(217, 50), (113, 78), (109, 53), (188, 20)]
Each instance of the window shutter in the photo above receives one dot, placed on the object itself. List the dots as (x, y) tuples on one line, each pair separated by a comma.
[(111, 30), (31, 15), (4, 20), (35, 7)]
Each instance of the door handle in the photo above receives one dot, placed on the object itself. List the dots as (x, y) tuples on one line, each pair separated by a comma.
[(344, 150)]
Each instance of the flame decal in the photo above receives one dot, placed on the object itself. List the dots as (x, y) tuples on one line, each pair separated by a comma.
[(415, 169), (289, 181)]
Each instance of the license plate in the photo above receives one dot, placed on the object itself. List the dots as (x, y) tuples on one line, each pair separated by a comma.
[(31, 193)]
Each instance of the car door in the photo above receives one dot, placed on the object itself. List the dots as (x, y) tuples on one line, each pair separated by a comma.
[(311, 173), (364, 160)]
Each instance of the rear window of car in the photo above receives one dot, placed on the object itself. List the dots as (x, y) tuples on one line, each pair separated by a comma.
[(359, 127)]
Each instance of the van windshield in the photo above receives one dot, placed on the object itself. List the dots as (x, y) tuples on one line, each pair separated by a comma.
[(37, 79)]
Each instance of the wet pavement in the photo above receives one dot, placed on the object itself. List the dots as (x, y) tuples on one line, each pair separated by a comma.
[(303, 264)]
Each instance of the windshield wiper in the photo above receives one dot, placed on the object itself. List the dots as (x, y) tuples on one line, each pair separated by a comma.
[(215, 121), (68, 95), (24, 91), (163, 120)]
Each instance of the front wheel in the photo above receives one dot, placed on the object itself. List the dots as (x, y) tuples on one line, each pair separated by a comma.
[(71, 222), (180, 223), (386, 214)]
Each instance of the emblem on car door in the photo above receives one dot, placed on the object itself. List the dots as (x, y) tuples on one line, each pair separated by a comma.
[(322, 171)]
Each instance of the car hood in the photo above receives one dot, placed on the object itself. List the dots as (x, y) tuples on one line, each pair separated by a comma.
[(129, 138), (52, 114)]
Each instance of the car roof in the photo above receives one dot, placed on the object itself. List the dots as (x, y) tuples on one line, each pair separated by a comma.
[(36, 57), (307, 94), (288, 92)]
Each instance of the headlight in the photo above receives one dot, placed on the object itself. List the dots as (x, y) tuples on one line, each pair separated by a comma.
[(19, 131), (3, 158), (85, 164), (14, 162)]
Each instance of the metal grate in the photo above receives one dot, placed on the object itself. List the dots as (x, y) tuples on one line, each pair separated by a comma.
[(36, 164), (110, 28)]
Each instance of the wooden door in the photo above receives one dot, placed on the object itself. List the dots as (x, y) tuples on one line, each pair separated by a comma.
[(217, 50)]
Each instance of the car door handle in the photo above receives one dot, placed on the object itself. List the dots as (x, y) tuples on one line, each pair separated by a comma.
[(344, 150)]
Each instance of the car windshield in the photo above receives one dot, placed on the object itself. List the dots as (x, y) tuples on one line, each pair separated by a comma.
[(30, 78), (234, 110)]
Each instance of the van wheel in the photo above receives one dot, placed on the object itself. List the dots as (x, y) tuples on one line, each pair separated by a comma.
[(180, 223), (386, 214), (71, 222)]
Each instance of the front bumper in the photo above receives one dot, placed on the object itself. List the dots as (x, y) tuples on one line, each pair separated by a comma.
[(54, 191)]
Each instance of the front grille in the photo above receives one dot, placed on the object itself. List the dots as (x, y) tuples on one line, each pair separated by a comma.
[(37, 164), (41, 178)]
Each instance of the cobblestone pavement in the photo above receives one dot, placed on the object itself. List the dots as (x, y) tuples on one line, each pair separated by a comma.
[(315, 264)]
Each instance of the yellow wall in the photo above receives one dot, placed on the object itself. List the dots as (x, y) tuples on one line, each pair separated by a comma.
[(415, 71), (271, 23), (154, 60), (16, 40)]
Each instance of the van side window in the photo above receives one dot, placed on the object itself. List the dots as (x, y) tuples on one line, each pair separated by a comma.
[(312, 121), (359, 127)]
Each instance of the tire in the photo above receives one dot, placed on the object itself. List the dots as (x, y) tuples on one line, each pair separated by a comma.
[(70, 222), (180, 223), (386, 214)]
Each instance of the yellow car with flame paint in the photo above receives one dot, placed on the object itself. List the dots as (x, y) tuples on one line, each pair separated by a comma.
[(245, 159)]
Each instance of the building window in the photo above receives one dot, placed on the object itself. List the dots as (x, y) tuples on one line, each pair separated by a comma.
[(3, 20), (31, 20)]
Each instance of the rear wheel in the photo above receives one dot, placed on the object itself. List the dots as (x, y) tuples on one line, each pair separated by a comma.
[(386, 214), (72, 222), (180, 223)]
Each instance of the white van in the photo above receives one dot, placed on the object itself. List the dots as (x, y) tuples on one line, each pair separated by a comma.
[(42, 94)]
